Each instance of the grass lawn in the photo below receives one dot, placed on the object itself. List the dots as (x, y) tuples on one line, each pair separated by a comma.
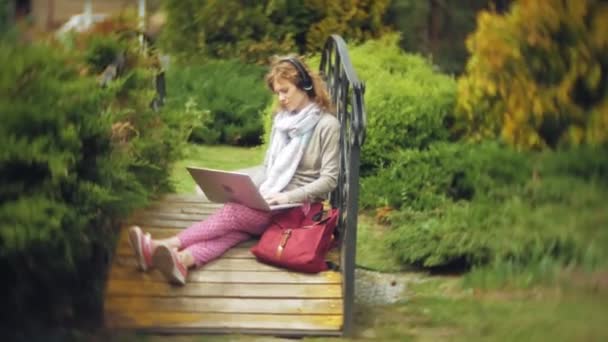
[(214, 157), (441, 309), (489, 304)]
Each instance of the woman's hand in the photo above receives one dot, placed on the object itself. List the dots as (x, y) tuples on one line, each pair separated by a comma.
[(274, 199)]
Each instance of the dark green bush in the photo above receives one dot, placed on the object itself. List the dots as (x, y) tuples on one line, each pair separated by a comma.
[(562, 220), (75, 158), (476, 204), (233, 94), (425, 179), (254, 30), (102, 51)]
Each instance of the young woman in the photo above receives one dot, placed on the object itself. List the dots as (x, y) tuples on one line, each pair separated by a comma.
[(301, 165)]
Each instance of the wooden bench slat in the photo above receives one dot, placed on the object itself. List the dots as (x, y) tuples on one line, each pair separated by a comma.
[(241, 277), (184, 207), (117, 287), (182, 198), (231, 322), (125, 250), (157, 232), (239, 252), (165, 223), (161, 215), (222, 264), (225, 305)]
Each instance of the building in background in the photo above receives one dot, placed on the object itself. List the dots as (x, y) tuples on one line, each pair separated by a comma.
[(48, 15)]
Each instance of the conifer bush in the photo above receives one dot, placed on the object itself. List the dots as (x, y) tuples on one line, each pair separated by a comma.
[(479, 204), (254, 30), (76, 157), (538, 75), (426, 179), (232, 94)]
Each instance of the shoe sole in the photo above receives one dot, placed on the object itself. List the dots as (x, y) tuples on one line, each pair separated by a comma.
[(135, 242), (163, 260)]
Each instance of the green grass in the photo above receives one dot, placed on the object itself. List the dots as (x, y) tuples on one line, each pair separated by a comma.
[(372, 251), (214, 157), (441, 309)]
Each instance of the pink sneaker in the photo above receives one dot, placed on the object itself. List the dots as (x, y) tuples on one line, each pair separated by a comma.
[(141, 244), (167, 261)]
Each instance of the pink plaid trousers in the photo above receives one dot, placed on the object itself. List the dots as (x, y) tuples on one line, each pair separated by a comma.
[(230, 225)]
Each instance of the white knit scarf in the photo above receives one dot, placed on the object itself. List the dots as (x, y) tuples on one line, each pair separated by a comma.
[(289, 137)]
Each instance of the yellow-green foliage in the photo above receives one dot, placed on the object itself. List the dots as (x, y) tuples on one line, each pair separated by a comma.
[(538, 76), (254, 30), (355, 20)]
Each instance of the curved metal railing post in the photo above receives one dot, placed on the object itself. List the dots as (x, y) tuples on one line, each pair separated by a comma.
[(347, 94)]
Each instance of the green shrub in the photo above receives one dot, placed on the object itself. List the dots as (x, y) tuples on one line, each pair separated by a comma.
[(102, 50), (231, 92), (75, 158), (254, 30), (426, 179), (562, 220), (408, 104), (482, 204)]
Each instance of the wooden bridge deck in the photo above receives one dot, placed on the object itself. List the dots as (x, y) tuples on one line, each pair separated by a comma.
[(234, 294)]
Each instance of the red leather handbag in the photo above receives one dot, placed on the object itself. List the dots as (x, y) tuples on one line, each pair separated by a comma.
[(298, 239)]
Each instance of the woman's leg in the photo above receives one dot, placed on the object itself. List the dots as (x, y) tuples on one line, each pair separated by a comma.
[(205, 251), (199, 231), (209, 239), (174, 265), (231, 217), (236, 221)]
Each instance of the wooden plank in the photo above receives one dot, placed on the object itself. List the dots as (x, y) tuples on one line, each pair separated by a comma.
[(150, 221), (163, 233), (168, 216), (184, 207), (241, 277), (225, 305), (180, 209), (118, 287), (180, 198), (241, 251), (155, 231), (222, 264), (125, 250), (231, 322)]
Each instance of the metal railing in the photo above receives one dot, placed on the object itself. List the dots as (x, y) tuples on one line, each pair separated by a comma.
[(347, 94)]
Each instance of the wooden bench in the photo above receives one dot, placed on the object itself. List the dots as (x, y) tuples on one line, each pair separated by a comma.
[(235, 293)]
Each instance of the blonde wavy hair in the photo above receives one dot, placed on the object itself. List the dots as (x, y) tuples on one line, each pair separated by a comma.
[(280, 68)]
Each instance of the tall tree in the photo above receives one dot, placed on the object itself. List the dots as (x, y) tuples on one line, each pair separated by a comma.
[(438, 28)]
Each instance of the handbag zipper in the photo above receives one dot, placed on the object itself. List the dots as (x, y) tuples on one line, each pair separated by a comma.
[(285, 236)]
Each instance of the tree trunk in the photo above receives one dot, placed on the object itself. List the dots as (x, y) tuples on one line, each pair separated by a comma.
[(433, 25)]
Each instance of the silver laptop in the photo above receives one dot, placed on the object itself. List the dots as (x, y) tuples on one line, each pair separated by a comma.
[(228, 186)]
